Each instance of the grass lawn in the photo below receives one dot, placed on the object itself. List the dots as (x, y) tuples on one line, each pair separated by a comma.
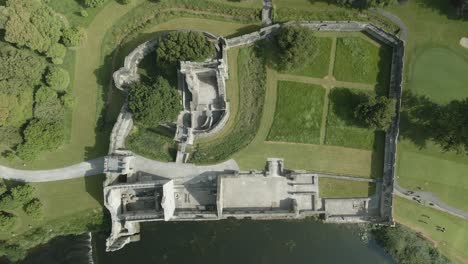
[(61, 199), (452, 243), (435, 172), (362, 60), (243, 3), (316, 66), (298, 114), (440, 74), (342, 127), (152, 144), (336, 188)]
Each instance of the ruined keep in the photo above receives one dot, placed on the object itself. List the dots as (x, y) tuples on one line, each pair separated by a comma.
[(139, 190)]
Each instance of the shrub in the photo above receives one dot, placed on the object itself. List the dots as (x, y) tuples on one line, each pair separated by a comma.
[(84, 13), (40, 135), (56, 53), (7, 221), (57, 78), (125, 2), (154, 104), (7, 202), (74, 36), (183, 46), (33, 209), (296, 44), (376, 112), (93, 3)]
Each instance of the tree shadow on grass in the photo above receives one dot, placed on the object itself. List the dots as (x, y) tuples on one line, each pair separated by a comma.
[(378, 155), (385, 67), (344, 102), (417, 118), (443, 7)]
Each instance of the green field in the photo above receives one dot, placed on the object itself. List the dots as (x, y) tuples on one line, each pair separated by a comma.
[(61, 199), (316, 66), (152, 144), (452, 243), (342, 127), (359, 59), (298, 114), (335, 188)]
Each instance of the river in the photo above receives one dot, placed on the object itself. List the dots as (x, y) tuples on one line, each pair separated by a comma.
[(222, 242)]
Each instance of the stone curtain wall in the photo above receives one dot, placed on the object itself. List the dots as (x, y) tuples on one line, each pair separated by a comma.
[(121, 129), (128, 74)]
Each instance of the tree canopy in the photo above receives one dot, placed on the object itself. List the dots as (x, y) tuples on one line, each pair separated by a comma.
[(48, 105), (153, 104), (93, 3), (40, 135), (57, 78), (407, 247), (296, 44), (33, 24), (74, 36), (183, 46), (19, 69), (376, 112)]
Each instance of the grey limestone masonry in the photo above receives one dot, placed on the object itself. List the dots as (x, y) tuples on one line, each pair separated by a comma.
[(139, 190)]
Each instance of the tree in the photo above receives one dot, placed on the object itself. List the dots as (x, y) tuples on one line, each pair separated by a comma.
[(183, 46), (3, 188), (57, 78), (376, 112), (48, 105), (74, 36), (10, 136), (40, 135), (297, 45), (22, 194), (56, 53), (32, 24), (33, 209), (7, 221), (154, 104), (15, 109), (20, 69), (93, 3)]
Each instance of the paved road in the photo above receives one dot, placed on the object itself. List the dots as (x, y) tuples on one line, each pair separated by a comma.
[(428, 198), (87, 168), (96, 166)]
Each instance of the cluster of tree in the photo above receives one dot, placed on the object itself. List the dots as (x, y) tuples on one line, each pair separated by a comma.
[(155, 103), (408, 247), (376, 112), (183, 46), (93, 3), (33, 95), (33, 24), (20, 196), (366, 3), (296, 46), (21, 100)]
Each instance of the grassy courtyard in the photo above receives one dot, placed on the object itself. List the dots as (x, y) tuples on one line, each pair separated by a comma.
[(309, 122), (337, 188), (298, 115)]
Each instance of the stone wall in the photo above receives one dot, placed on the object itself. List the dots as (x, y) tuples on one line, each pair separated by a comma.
[(253, 37), (121, 129)]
